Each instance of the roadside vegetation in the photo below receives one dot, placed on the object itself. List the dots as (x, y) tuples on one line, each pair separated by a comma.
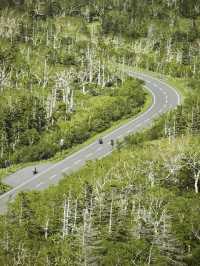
[(55, 86), (143, 208), (60, 79)]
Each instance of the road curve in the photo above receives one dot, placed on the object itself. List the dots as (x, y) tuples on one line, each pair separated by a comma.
[(164, 98)]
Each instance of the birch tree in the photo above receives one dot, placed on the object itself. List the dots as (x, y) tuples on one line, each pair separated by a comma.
[(192, 161), (66, 216), (155, 224), (4, 78)]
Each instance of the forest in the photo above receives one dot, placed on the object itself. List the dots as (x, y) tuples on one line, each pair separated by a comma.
[(42, 103), (63, 76)]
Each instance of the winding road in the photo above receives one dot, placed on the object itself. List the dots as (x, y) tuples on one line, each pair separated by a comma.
[(164, 98)]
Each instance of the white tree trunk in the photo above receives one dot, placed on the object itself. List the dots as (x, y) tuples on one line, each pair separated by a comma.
[(110, 219), (196, 184)]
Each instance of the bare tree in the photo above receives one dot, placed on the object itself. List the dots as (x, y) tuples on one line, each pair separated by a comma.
[(75, 216), (110, 215), (173, 164), (154, 223), (9, 25), (66, 215), (192, 160), (46, 229), (4, 78)]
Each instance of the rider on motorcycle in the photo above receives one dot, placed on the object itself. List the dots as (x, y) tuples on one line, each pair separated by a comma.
[(35, 171)]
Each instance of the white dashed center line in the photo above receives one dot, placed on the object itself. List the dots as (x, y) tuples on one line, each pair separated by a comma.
[(67, 168), (52, 177), (89, 155), (39, 185), (138, 125), (77, 162)]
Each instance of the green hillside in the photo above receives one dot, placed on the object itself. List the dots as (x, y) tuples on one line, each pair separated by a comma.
[(138, 205), (62, 76), (54, 69)]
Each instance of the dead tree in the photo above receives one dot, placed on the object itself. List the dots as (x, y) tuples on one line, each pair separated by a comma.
[(46, 229), (75, 216), (173, 165), (110, 215), (155, 224), (4, 78), (192, 160), (66, 216)]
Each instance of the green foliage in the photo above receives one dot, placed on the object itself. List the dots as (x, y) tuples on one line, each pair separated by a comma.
[(139, 206), (149, 220), (51, 72), (22, 122)]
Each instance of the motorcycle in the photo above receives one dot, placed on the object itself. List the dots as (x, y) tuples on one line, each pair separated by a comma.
[(100, 141), (35, 171)]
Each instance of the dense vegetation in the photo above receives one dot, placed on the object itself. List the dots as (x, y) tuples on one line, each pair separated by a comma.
[(139, 206), (55, 85), (165, 33), (27, 136), (141, 210)]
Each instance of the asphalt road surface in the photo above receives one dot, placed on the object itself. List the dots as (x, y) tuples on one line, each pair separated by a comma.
[(164, 98)]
